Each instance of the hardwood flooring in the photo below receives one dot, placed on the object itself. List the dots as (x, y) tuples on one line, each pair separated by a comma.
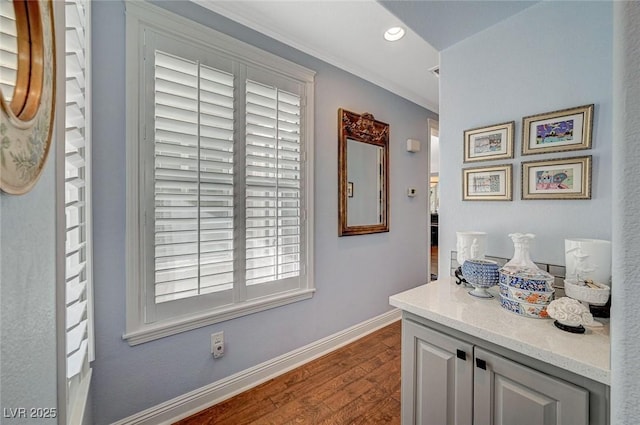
[(434, 262), (356, 384)]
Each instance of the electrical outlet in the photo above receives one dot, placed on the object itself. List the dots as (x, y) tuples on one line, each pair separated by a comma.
[(217, 344)]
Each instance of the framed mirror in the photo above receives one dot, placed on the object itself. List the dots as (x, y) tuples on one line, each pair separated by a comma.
[(27, 91), (363, 174)]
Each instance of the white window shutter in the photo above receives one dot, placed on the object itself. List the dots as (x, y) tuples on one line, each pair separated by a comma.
[(8, 49), (216, 180), (193, 178), (273, 172), (221, 174), (76, 190)]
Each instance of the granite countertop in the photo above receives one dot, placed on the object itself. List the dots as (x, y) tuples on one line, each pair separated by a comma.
[(448, 304)]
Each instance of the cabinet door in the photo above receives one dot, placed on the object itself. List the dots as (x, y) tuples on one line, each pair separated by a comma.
[(507, 393), (437, 377)]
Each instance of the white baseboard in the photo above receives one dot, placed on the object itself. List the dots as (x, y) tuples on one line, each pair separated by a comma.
[(202, 398)]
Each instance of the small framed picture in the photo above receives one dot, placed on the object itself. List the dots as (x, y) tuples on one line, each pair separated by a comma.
[(557, 131), (565, 178), (487, 183), (489, 143), (350, 189)]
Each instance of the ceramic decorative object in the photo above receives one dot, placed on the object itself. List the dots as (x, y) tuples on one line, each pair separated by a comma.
[(569, 315), (481, 274), (588, 259), (527, 279), (588, 292), (521, 257), (469, 245), (522, 295), (536, 311)]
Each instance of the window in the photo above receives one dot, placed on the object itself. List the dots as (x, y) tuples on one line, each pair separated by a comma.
[(8, 49), (220, 173), (77, 144)]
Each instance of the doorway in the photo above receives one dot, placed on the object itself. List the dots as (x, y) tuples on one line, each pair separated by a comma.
[(434, 197)]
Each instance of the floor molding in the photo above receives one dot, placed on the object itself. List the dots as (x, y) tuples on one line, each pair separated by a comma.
[(202, 398)]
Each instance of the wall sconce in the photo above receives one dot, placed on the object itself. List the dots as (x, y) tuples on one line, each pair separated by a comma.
[(413, 145)]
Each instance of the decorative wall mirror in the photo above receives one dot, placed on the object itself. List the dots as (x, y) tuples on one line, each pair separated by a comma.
[(363, 174), (27, 91)]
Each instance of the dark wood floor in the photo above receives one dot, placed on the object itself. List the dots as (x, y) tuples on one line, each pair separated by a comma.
[(356, 384)]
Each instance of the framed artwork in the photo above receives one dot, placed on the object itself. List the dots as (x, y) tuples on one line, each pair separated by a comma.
[(558, 131), (564, 178), (489, 143), (487, 183)]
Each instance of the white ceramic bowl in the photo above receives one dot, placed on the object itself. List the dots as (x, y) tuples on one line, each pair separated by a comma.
[(537, 311), (522, 295), (594, 296)]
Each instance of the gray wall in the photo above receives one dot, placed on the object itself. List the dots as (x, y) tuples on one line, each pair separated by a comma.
[(551, 56), (625, 332), (27, 298), (354, 275)]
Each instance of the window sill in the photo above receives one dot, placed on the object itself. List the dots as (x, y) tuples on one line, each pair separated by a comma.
[(146, 333)]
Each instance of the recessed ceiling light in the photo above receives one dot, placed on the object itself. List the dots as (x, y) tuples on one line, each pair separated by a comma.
[(394, 34)]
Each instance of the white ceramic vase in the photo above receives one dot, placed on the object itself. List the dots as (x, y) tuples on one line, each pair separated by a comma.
[(588, 259), (521, 255), (470, 245)]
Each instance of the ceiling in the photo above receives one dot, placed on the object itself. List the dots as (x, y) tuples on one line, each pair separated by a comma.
[(348, 34)]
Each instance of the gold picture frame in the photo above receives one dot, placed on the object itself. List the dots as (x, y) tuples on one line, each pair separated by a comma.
[(558, 131), (489, 143), (487, 183), (562, 178), (27, 108)]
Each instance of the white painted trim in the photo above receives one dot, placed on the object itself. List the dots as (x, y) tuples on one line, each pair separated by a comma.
[(209, 395), (433, 126), (165, 328)]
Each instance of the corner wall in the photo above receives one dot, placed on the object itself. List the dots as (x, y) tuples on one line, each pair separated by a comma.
[(553, 55), (625, 333), (354, 276)]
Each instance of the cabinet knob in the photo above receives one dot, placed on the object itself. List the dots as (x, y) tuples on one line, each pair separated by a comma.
[(461, 355), (481, 364)]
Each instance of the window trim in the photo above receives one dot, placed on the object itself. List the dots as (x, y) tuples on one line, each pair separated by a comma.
[(139, 16)]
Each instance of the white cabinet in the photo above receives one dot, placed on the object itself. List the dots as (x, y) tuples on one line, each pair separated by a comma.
[(453, 380), (437, 377), (506, 393)]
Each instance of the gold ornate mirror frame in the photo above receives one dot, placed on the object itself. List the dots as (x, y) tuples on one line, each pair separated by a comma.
[(362, 128), (26, 122)]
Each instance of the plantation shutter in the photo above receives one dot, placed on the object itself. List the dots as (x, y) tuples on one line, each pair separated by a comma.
[(273, 180), (8, 49), (193, 174), (76, 192), (220, 193)]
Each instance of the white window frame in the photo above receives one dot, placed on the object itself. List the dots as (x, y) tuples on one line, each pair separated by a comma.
[(141, 17)]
